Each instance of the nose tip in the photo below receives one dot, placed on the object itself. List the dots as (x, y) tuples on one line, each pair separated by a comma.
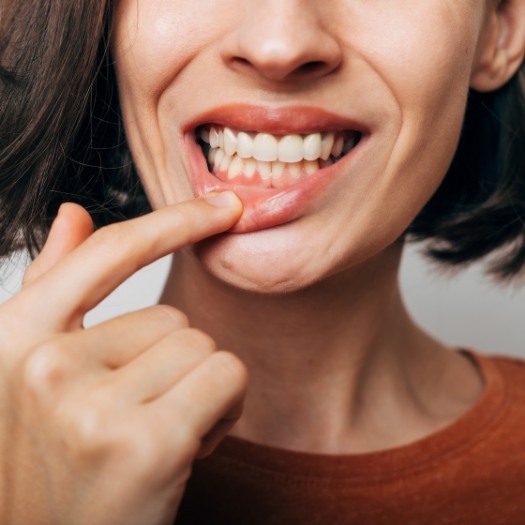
[(282, 41)]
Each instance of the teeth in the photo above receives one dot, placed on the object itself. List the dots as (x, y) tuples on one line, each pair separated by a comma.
[(310, 166), (278, 169), (219, 156), (295, 169), (225, 163), (236, 167), (244, 145), (312, 146), (230, 142), (339, 143), (264, 169), (327, 144), (234, 153), (290, 148), (212, 155), (250, 167), (205, 135), (349, 145), (265, 147), (233, 167), (214, 138)]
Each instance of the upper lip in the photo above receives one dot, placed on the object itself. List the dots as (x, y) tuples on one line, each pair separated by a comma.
[(275, 120)]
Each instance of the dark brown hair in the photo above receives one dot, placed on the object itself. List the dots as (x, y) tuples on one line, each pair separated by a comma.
[(61, 139)]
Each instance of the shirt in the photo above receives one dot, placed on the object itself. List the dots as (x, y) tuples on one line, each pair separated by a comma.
[(470, 472)]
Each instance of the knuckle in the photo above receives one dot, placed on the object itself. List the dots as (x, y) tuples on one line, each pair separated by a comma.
[(83, 427), (145, 449), (177, 318), (199, 339), (46, 369), (112, 237), (230, 369), (148, 450), (86, 433)]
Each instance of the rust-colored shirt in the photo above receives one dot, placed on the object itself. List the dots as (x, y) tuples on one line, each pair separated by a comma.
[(472, 472)]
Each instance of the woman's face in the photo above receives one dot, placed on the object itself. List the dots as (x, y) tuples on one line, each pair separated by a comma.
[(333, 120)]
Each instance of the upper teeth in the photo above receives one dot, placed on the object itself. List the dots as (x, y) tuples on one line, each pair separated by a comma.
[(266, 147)]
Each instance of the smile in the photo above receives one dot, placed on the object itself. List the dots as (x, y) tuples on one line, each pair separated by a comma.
[(268, 160), (281, 162)]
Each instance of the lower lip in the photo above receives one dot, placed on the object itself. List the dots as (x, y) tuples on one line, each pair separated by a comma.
[(265, 207)]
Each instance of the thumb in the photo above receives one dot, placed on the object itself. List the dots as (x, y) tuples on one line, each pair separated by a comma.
[(71, 227)]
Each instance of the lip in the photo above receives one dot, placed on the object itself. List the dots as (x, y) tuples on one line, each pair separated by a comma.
[(269, 207)]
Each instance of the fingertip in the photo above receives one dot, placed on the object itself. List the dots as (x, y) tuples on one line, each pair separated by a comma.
[(72, 225), (223, 199), (70, 212)]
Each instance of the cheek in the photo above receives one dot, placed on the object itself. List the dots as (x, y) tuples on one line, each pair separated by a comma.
[(154, 40), (425, 63), (428, 58)]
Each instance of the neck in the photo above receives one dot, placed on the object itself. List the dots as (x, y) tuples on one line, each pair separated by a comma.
[(338, 367)]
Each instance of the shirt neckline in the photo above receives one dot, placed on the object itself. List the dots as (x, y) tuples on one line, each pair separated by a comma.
[(472, 427)]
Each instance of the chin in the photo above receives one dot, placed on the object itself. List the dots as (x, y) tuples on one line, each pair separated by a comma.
[(267, 272)]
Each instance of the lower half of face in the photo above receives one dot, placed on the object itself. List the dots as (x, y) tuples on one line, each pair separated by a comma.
[(334, 122)]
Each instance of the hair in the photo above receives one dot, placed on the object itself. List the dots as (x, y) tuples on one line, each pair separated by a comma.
[(62, 139)]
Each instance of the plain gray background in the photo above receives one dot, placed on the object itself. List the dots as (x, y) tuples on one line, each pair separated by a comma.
[(465, 310)]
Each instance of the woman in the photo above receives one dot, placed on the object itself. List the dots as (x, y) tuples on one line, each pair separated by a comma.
[(337, 125)]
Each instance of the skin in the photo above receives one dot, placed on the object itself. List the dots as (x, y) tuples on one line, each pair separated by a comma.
[(97, 425), (341, 311), (82, 442)]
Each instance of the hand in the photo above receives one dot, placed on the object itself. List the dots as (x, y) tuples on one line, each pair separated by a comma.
[(100, 426)]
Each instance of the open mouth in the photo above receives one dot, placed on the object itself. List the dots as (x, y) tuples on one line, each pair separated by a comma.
[(268, 160)]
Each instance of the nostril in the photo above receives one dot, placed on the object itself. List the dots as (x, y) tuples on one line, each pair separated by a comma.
[(309, 68), (241, 61)]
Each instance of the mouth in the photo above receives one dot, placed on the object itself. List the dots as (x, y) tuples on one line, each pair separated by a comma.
[(279, 161), (266, 160)]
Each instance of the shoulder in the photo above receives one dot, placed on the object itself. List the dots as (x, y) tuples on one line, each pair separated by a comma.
[(511, 370), (505, 391)]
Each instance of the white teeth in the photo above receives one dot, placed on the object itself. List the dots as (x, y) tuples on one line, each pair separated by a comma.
[(289, 157), (312, 146), (278, 169), (230, 142), (219, 157), (310, 166), (225, 163), (264, 169), (212, 155), (291, 148), (295, 169), (250, 167), (244, 145), (214, 138), (327, 144), (265, 147), (236, 167)]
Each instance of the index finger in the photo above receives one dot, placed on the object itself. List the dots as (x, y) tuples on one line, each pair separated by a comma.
[(115, 252)]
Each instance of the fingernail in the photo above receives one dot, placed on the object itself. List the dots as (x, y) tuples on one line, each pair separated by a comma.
[(222, 199)]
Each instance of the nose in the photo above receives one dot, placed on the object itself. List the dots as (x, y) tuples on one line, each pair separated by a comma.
[(283, 40)]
